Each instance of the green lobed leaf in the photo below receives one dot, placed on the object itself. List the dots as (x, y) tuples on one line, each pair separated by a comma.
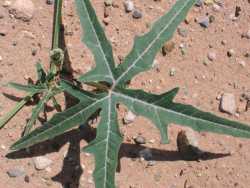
[(162, 111), (106, 146), (61, 122), (95, 39), (146, 47)]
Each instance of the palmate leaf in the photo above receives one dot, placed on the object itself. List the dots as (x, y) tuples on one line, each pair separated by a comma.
[(160, 109)]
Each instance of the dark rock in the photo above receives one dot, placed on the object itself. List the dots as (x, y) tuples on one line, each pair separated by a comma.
[(137, 14)]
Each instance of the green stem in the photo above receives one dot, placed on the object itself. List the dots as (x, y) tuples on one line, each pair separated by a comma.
[(57, 24)]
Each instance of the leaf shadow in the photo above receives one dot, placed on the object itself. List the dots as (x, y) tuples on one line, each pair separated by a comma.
[(128, 150), (71, 171), (12, 97)]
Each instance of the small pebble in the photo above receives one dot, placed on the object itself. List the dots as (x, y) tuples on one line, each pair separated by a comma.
[(42, 163), (230, 53), (182, 32), (199, 3), (216, 7), (140, 140), (3, 147), (146, 154), (129, 6), (151, 163), (1, 15), (168, 47), (211, 19), (204, 22), (228, 103), (172, 72), (211, 56), (16, 172), (50, 2), (6, 4), (106, 20), (3, 32), (34, 52), (27, 179), (129, 118), (223, 42), (151, 141), (137, 14), (108, 2), (242, 63), (246, 35), (237, 11)]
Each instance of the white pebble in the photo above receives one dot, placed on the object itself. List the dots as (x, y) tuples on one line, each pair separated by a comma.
[(228, 103), (211, 56), (129, 118), (42, 163), (242, 63), (129, 6)]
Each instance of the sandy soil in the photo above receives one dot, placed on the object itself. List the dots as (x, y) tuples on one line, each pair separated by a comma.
[(200, 85)]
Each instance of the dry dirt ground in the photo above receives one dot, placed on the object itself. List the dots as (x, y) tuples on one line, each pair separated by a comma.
[(199, 84)]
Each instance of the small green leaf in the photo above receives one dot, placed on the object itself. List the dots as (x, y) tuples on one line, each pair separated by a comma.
[(95, 39), (28, 88), (41, 74), (36, 111)]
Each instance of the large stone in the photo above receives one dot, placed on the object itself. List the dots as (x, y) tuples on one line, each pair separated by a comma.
[(23, 10)]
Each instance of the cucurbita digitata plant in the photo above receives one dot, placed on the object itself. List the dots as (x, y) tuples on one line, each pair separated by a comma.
[(111, 81)]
